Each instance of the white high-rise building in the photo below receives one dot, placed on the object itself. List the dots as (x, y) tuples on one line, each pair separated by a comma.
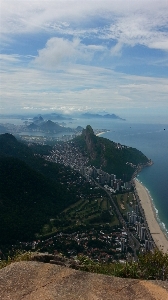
[(143, 233), (122, 244), (136, 208), (148, 245), (128, 214), (138, 228)]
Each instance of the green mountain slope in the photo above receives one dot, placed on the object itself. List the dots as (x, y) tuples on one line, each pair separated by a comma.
[(27, 200), (111, 157), (11, 147), (33, 190)]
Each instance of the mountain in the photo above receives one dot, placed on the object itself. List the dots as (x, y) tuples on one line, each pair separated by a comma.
[(38, 120), (32, 190), (55, 116), (33, 126), (9, 146), (51, 127), (47, 126), (32, 156), (79, 128), (111, 157), (95, 116), (27, 200)]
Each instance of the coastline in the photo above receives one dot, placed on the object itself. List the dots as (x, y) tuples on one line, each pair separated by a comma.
[(150, 215), (100, 133)]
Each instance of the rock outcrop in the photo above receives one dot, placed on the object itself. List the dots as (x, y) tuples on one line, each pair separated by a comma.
[(45, 281), (90, 140)]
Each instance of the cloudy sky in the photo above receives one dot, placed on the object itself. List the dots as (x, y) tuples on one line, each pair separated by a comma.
[(69, 55)]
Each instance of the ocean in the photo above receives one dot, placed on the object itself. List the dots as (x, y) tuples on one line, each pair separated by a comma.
[(152, 140)]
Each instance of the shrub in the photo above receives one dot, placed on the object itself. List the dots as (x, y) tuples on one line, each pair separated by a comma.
[(18, 256), (151, 265)]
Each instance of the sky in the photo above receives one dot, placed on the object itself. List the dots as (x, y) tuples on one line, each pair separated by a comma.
[(75, 56)]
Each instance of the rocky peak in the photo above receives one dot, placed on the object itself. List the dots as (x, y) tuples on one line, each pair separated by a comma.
[(90, 140)]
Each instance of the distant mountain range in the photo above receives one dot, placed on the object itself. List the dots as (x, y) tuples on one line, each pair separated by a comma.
[(46, 126), (98, 116), (52, 116), (49, 126), (55, 116), (39, 124)]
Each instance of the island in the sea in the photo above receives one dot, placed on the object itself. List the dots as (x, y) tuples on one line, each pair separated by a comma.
[(101, 116)]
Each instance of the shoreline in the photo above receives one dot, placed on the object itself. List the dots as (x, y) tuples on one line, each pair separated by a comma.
[(150, 214), (101, 133)]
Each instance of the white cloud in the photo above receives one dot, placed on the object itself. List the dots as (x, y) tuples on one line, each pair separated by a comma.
[(59, 50), (117, 49), (77, 86), (161, 43), (79, 34), (140, 28), (132, 22), (56, 51), (9, 58)]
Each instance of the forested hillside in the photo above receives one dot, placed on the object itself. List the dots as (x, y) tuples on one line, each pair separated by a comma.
[(111, 157), (31, 190)]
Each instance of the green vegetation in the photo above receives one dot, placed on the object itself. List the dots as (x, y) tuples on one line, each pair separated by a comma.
[(15, 257), (151, 265), (32, 191), (125, 202), (40, 200), (105, 154), (85, 212), (27, 200)]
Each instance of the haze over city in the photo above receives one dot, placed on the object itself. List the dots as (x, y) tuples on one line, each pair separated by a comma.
[(69, 56)]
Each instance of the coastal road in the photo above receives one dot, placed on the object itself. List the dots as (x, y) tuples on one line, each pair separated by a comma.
[(133, 242)]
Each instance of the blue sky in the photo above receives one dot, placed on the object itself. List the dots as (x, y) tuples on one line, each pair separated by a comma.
[(71, 55)]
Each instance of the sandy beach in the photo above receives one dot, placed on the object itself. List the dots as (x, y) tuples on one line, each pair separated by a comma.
[(100, 133), (156, 232)]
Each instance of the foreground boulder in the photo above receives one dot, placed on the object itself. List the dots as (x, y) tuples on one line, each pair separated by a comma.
[(43, 281)]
